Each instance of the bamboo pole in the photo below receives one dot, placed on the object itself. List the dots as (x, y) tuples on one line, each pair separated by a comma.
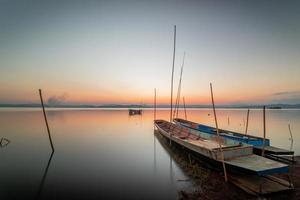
[(177, 101), (171, 103), (179, 90), (184, 108), (45, 117), (247, 121), (264, 140), (292, 140), (180, 83), (175, 107), (219, 139), (154, 103), (290, 132)]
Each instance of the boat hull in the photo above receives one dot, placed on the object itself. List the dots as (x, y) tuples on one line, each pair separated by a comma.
[(249, 139), (240, 159)]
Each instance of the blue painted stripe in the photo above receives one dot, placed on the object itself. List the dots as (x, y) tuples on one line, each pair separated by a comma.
[(278, 170)]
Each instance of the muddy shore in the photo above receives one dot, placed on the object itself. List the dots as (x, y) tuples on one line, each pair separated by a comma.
[(213, 186)]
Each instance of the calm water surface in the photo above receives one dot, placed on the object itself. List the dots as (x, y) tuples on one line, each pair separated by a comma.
[(106, 153)]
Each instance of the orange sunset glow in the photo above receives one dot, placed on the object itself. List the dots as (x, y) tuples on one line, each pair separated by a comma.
[(103, 53)]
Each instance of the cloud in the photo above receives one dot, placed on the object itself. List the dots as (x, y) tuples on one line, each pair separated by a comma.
[(280, 93), (57, 100), (286, 97), (285, 93)]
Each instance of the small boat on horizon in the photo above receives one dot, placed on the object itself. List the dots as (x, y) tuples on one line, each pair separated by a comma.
[(135, 111), (275, 107)]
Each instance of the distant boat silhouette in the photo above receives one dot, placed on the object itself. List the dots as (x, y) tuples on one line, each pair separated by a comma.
[(135, 111)]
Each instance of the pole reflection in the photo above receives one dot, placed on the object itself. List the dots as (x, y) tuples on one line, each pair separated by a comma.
[(41, 185)]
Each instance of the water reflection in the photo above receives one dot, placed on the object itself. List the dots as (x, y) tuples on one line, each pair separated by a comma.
[(107, 154), (44, 177), (99, 154)]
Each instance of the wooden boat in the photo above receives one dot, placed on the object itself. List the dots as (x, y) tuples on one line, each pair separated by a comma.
[(238, 156), (248, 139), (252, 184), (257, 142), (135, 111)]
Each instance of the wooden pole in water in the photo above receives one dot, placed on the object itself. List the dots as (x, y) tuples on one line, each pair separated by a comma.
[(154, 103), (264, 140), (184, 108), (290, 132), (45, 117), (219, 139), (247, 120), (171, 103)]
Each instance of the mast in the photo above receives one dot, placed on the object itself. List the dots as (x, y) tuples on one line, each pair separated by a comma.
[(184, 108), (219, 139), (154, 103), (171, 103), (179, 90), (264, 122)]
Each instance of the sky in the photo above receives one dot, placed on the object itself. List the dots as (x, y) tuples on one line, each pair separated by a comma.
[(117, 52)]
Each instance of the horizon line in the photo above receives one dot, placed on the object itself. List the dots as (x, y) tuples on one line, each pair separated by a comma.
[(272, 105)]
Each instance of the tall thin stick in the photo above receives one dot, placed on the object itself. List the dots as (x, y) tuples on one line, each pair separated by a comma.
[(219, 139), (264, 140), (179, 90), (45, 117), (154, 103), (175, 107), (247, 121), (180, 83), (173, 73), (290, 132), (184, 108)]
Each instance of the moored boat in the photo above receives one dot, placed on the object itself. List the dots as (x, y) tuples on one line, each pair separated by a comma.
[(237, 156), (135, 111), (248, 139), (257, 142)]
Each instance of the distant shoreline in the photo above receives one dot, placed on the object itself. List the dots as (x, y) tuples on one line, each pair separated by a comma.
[(270, 106)]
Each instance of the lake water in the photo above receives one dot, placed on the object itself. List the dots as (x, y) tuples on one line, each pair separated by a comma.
[(105, 153)]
